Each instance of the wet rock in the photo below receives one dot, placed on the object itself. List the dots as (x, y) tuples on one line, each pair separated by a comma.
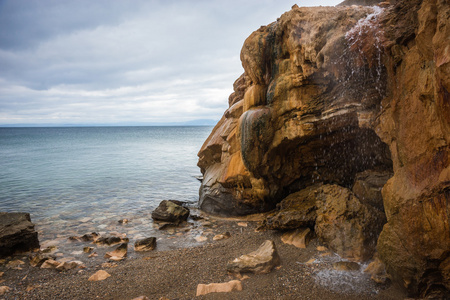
[(111, 240), (89, 237), (295, 211), (226, 287), (49, 249), (261, 261), (99, 275), (17, 233), (346, 266), (119, 253), (4, 289), (170, 211), (146, 244), (219, 237), (123, 221), (345, 225), (38, 258), (167, 225), (50, 264), (377, 271), (299, 238), (88, 249), (368, 185)]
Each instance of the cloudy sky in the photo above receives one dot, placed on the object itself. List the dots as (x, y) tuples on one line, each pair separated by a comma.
[(123, 61)]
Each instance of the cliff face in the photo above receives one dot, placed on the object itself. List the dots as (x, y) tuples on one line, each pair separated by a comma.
[(349, 97)]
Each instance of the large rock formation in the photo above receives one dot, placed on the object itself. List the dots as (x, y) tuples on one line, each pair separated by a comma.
[(348, 96), (17, 233)]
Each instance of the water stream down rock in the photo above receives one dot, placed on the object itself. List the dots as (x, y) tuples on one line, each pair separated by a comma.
[(356, 98)]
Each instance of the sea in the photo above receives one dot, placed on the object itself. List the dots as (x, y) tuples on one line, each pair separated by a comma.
[(76, 180)]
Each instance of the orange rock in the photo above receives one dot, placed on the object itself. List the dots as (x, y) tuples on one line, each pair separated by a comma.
[(99, 275), (226, 287)]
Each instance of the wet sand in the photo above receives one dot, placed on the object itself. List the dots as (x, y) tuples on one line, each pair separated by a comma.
[(175, 274)]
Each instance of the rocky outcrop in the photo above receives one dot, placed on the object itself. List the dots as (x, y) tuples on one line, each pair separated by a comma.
[(17, 233), (348, 96)]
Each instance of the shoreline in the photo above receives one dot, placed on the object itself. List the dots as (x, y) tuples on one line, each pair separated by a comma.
[(175, 274)]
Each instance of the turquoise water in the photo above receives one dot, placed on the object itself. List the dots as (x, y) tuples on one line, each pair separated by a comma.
[(79, 179)]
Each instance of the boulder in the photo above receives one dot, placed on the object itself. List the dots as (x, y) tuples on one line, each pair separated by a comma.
[(295, 211), (226, 287), (17, 233), (346, 225), (261, 261), (99, 275), (170, 211), (299, 238), (147, 244), (368, 185)]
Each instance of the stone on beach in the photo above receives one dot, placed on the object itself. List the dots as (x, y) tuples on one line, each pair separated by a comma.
[(219, 237), (50, 264), (69, 265), (38, 258), (17, 233), (226, 287), (170, 211), (346, 266), (99, 275), (261, 261), (147, 244), (299, 238), (4, 289), (119, 253), (88, 249), (111, 240)]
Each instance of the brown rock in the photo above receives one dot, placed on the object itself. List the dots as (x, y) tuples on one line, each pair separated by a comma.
[(99, 275), (299, 238), (261, 261), (368, 185), (17, 233), (4, 290), (226, 287), (344, 224), (377, 271), (110, 240), (38, 258), (50, 264), (147, 244), (68, 265), (119, 253), (170, 211), (219, 237)]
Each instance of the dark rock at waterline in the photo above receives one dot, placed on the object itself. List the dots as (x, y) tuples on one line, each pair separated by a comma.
[(89, 237), (170, 211), (111, 240), (17, 233), (146, 244)]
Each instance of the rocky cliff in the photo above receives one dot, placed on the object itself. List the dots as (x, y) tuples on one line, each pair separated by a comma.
[(346, 108)]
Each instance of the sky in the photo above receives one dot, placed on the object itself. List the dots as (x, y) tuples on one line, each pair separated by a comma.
[(123, 62)]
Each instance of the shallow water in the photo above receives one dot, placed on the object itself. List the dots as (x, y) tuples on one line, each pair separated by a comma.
[(78, 180)]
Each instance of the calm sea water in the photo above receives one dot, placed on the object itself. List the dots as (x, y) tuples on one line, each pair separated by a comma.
[(81, 179)]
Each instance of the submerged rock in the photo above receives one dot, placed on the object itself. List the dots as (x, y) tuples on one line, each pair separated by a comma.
[(119, 253), (170, 211), (17, 233), (261, 261), (111, 240)]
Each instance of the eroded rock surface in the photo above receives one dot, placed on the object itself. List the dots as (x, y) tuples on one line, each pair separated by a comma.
[(17, 233)]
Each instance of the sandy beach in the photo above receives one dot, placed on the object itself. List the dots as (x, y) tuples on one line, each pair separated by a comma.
[(175, 274)]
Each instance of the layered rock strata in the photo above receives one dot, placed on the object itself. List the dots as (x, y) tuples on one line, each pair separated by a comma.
[(350, 97), (17, 233)]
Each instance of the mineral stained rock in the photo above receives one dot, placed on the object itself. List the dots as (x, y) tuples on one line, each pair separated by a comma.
[(17, 233), (330, 94)]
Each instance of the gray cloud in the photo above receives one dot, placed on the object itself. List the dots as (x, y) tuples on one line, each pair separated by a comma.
[(121, 61)]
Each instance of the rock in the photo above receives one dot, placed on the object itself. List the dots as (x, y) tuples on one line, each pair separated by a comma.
[(50, 264), (49, 249), (89, 237), (201, 238), (119, 253), (299, 238), (17, 233), (219, 237), (377, 271), (99, 275), (141, 298), (65, 266), (1, 274), (316, 104), (88, 249), (4, 289), (147, 244), (38, 258), (295, 211), (344, 224), (226, 287), (169, 211), (15, 264), (368, 185), (261, 261), (111, 240), (242, 224), (123, 221), (346, 266)]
